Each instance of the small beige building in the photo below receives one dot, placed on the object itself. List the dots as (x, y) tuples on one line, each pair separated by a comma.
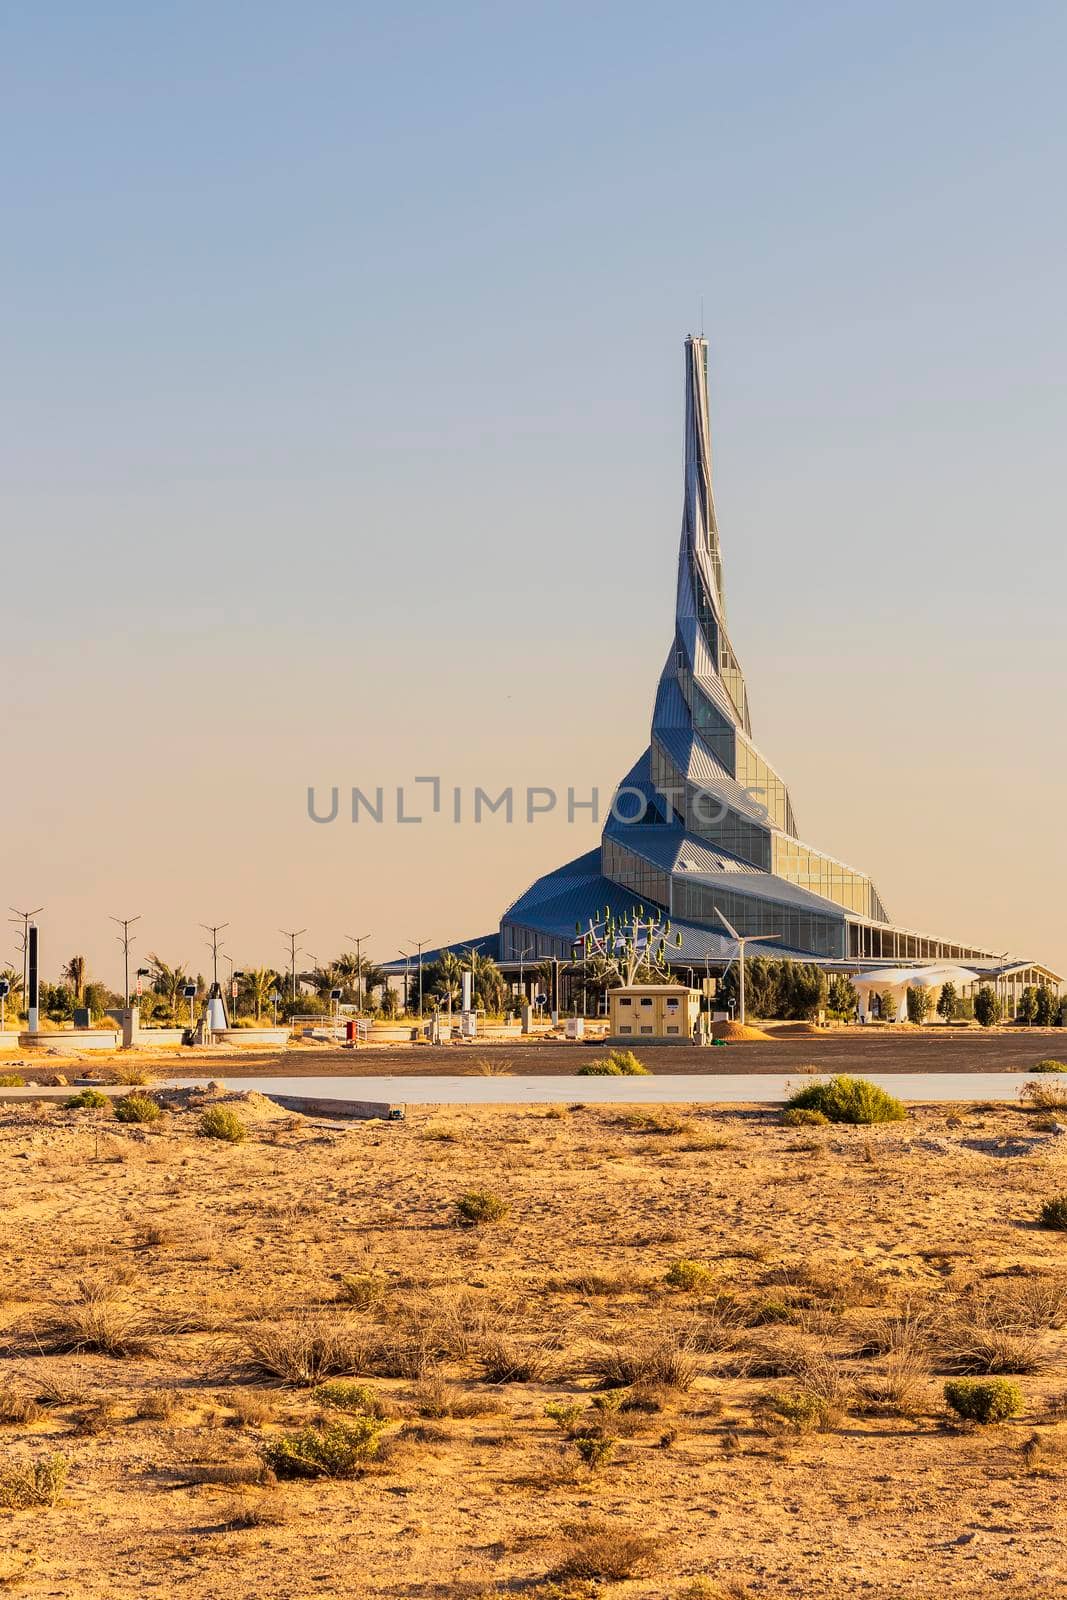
[(653, 1011)]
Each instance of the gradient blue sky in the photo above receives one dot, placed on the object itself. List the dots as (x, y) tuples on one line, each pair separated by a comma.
[(340, 419)]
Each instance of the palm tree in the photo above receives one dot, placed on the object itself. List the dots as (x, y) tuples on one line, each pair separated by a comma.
[(489, 984), (168, 981), (259, 983), (74, 972)]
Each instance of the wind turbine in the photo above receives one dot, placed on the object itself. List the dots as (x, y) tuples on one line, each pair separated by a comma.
[(742, 940)]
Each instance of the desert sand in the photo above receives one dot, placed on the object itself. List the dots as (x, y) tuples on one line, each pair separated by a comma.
[(742, 1329)]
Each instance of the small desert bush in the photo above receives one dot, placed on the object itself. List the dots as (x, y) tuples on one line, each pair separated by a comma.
[(87, 1100), (797, 1410), (984, 1400), (18, 1408), (504, 1361), (364, 1291), (594, 1449), (610, 1553), (845, 1099), (265, 1511), (137, 1108), (96, 1321), (250, 1410), (566, 1414), (479, 1206), (901, 1387), (94, 1419), (616, 1064), (434, 1398), (159, 1405), (988, 1352), (342, 1395), (665, 1363), (687, 1275), (1043, 1097), (27, 1486), (12, 1080), (219, 1122), (1053, 1213), (306, 1352), (329, 1450), (1050, 1066), (804, 1117)]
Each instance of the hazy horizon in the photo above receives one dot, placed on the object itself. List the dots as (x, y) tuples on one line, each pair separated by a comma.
[(342, 421)]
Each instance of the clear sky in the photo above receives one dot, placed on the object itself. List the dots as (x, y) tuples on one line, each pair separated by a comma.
[(340, 431)]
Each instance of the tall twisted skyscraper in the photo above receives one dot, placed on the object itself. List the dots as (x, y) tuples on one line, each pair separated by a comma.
[(703, 823)]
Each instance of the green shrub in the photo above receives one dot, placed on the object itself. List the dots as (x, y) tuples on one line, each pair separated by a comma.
[(1050, 1066), (798, 1411), (11, 1080), (137, 1108), (687, 1275), (566, 1415), (87, 1100), (845, 1099), (219, 1122), (26, 1486), (616, 1064), (331, 1450), (804, 1117), (352, 1397), (479, 1206), (594, 1449), (1054, 1212), (984, 1400)]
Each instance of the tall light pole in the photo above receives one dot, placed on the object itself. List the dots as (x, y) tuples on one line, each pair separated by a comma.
[(358, 940), (125, 939), (407, 978), (420, 945), (528, 951), (215, 944), (25, 917), (748, 938), (292, 938)]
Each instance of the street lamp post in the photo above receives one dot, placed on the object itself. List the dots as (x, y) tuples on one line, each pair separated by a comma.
[(420, 945), (25, 918), (358, 940), (125, 939), (292, 938)]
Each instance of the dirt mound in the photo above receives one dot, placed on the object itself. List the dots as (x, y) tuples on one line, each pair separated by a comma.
[(736, 1032), (795, 1030)]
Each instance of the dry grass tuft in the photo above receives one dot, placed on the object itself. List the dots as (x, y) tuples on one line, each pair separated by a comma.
[(435, 1398), (305, 1352), (505, 1361), (665, 1362), (18, 1408), (269, 1510), (96, 1321), (159, 1405), (610, 1553)]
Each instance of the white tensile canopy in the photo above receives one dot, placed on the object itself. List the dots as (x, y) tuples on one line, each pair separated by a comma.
[(896, 981)]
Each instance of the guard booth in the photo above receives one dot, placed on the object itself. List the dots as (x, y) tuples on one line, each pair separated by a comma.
[(666, 1011)]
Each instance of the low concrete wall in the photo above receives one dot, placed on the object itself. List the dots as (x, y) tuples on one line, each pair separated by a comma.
[(157, 1038), (274, 1038), (321, 1106), (74, 1042), (9, 1041)]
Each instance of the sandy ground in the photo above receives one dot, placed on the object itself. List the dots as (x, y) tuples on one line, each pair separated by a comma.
[(816, 1248)]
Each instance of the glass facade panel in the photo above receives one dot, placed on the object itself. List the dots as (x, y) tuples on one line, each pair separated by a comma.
[(648, 883), (797, 928)]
